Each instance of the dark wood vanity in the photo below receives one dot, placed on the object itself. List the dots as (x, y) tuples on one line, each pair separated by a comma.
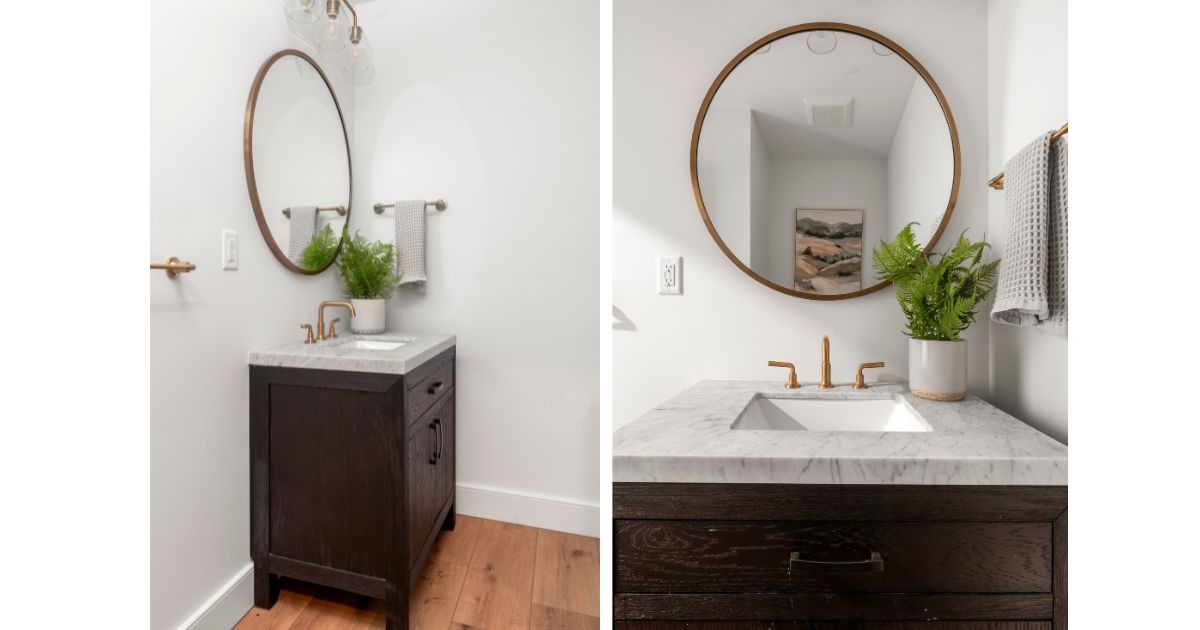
[(351, 477), (838, 557)]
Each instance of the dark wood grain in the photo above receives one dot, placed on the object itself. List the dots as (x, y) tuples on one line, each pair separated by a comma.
[(424, 392), (327, 576), (334, 495), (833, 625), (1060, 572), (832, 607), (836, 502), (329, 475), (753, 556)]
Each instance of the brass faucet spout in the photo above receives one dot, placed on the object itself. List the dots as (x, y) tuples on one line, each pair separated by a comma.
[(321, 317), (826, 367)]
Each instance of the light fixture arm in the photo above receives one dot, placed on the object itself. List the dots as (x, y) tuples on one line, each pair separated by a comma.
[(355, 29)]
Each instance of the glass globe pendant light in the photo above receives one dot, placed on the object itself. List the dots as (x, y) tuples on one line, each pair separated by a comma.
[(359, 59), (302, 11), (331, 34)]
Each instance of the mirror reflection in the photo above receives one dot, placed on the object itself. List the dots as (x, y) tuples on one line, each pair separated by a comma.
[(816, 146), (300, 164)]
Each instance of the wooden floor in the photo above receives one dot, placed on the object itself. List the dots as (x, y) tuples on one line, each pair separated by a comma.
[(485, 574)]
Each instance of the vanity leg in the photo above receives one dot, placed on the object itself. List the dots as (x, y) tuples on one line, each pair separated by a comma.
[(395, 605), (448, 524), (266, 588)]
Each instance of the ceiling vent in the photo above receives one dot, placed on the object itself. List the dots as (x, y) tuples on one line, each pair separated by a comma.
[(829, 111)]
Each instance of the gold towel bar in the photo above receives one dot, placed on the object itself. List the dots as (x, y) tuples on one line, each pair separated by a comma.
[(997, 182), (174, 266), (341, 210), (439, 204)]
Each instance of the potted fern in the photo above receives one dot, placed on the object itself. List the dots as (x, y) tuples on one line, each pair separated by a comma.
[(938, 295), (368, 271)]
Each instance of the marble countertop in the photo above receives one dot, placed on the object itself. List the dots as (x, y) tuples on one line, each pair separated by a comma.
[(688, 439), (335, 354)]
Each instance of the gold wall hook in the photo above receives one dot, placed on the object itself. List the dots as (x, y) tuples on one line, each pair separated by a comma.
[(174, 266), (859, 383), (791, 383)]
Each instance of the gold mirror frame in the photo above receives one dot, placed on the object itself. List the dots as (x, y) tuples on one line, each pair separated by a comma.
[(248, 156), (749, 50)]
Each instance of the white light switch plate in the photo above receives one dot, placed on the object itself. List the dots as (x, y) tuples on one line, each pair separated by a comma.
[(229, 249), (670, 275)]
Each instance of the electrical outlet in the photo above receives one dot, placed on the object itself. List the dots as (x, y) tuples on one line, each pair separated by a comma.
[(229, 249), (670, 275)]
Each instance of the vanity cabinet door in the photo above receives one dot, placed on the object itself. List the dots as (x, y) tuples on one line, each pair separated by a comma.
[(422, 483), (445, 456)]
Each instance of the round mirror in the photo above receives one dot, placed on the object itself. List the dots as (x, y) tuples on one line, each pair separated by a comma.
[(297, 155), (812, 145)]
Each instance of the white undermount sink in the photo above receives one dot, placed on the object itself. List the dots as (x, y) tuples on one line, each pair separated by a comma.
[(812, 414), (376, 344)]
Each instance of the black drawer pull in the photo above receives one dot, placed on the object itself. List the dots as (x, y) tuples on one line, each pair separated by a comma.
[(433, 426), (801, 565), (433, 389)]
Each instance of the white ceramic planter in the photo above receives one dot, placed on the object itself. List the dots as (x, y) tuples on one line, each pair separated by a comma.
[(937, 370), (368, 318)]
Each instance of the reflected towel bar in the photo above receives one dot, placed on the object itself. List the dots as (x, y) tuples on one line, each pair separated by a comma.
[(997, 182), (174, 266), (439, 204), (341, 210)]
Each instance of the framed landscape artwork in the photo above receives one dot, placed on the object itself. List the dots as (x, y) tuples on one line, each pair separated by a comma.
[(828, 251)]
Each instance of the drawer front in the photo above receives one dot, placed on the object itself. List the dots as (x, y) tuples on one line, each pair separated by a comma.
[(806, 557), (425, 390)]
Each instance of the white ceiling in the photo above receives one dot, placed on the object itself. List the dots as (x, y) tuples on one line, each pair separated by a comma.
[(773, 85)]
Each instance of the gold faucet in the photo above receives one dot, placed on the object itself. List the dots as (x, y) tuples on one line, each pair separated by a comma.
[(791, 383), (859, 383), (825, 366), (321, 317), (308, 327)]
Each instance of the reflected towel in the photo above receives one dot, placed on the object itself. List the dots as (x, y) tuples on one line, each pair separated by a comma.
[(1021, 291), (410, 242), (301, 228)]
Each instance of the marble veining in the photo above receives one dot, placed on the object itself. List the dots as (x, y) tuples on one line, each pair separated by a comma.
[(688, 439), (335, 354)]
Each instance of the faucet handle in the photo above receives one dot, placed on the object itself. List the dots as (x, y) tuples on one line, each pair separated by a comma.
[(332, 331), (310, 333), (859, 383), (791, 383)]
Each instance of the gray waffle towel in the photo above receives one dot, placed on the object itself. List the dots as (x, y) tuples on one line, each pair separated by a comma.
[(410, 242), (1032, 288), (301, 228)]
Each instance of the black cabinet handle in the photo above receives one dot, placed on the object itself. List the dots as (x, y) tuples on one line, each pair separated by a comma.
[(874, 564), (440, 439), (433, 389), (436, 439)]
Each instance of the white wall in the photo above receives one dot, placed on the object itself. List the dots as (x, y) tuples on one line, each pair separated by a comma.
[(723, 166), (920, 166), (825, 185), (495, 108), (203, 59), (726, 325), (1027, 95)]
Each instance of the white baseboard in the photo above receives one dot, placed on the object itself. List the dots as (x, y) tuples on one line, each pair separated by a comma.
[(554, 513), (228, 605)]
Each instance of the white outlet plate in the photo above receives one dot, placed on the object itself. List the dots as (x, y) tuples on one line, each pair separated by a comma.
[(670, 275), (229, 249)]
